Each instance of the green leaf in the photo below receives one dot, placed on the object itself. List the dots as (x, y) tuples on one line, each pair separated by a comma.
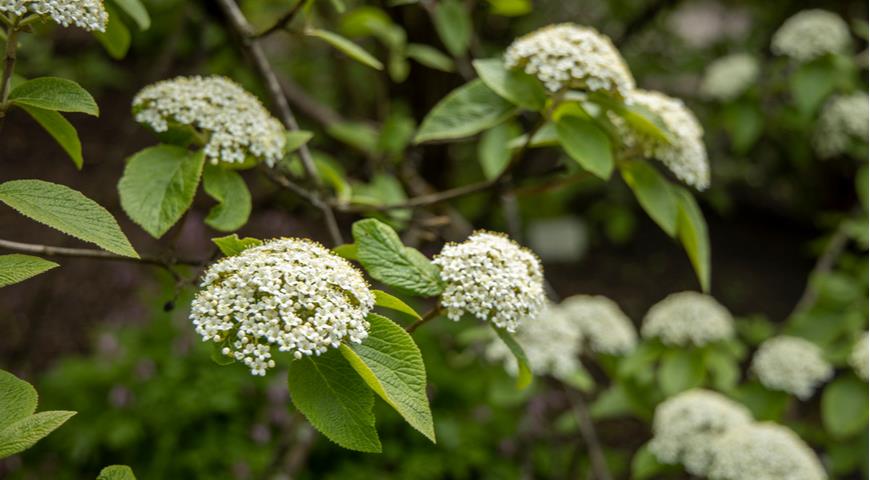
[(611, 403), (453, 24), (158, 186), (347, 251), (586, 143), (845, 407), (337, 402), (63, 132), (515, 86), (116, 472), (382, 254), (645, 465), (465, 111), (744, 122), (233, 245), (510, 8), (52, 93), (724, 370), (680, 370), (765, 404), (653, 192), (229, 189), (811, 83), (524, 373), (345, 46), (296, 139), (16, 268), (430, 57), (385, 300), (17, 399), (116, 39), (493, 151), (136, 11), (356, 134), (67, 210), (24, 433), (692, 231), (391, 364)]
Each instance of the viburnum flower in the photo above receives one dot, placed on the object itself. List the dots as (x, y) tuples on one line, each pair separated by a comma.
[(728, 77), (571, 56), (236, 126), (492, 278), (859, 358), (289, 293), (88, 14), (792, 365), (605, 328), (843, 121), (810, 34), (686, 425), (763, 451), (685, 154), (688, 319)]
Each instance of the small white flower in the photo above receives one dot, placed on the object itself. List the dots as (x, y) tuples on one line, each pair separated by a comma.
[(859, 358), (571, 56), (843, 120), (290, 293), (605, 328), (686, 425), (688, 319), (235, 124), (728, 77), (763, 451), (87, 14), (810, 34), (792, 365), (492, 278)]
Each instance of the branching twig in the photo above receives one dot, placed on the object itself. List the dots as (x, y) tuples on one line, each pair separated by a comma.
[(431, 314), (590, 437), (51, 251), (823, 265), (283, 21)]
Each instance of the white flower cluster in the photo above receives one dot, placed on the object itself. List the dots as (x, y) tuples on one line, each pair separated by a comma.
[(763, 451), (571, 56), (685, 427), (604, 326), (291, 293), (810, 34), (236, 124), (492, 278), (688, 319), (88, 14), (843, 120), (792, 365), (728, 77), (859, 358)]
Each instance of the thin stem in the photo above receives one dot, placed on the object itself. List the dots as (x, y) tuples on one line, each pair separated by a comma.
[(430, 315), (835, 247), (283, 21), (52, 251), (590, 437), (8, 68)]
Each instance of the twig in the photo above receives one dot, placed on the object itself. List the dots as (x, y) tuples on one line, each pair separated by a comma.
[(8, 67), (590, 437), (431, 314), (283, 21), (823, 265), (51, 251)]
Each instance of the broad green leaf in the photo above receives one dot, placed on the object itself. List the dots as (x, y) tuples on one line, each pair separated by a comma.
[(724, 370), (116, 472), (524, 373), (63, 132), (654, 194), (845, 407), (16, 268), (391, 364), (116, 39), (586, 143), (493, 151), (17, 399), (765, 404), (510, 8), (429, 56), (692, 231), (645, 465), (384, 189), (744, 122), (67, 210), (296, 139), (515, 86), (544, 137), (468, 110), (680, 370), (638, 117), (136, 11), (347, 47), (578, 379), (384, 299), (24, 433), (611, 403), (347, 251), (811, 83), (52, 93), (158, 186), (358, 135), (229, 189), (335, 399), (453, 24), (382, 254), (233, 245)]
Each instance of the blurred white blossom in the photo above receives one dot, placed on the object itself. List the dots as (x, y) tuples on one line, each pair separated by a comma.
[(859, 357), (763, 451), (728, 77), (87, 14), (810, 34), (843, 121), (792, 365), (688, 319), (703, 23), (605, 328)]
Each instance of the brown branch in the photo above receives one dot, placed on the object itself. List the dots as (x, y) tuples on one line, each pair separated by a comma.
[(283, 21), (430, 315), (590, 437), (835, 247), (51, 251)]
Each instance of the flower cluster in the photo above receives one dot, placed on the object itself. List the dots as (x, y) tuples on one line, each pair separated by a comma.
[(492, 278), (236, 125), (859, 358), (811, 34), (688, 319), (763, 451), (686, 425), (604, 326), (88, 14), (291, 293), (571, 56), (728, 77), (843, 120), (791, 364)]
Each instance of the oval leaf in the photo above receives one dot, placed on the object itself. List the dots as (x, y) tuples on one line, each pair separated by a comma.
[(116, 39), (453, 23), (17, 399), (586, 143), (52, 93), (136, 11), (692, 231), (384, 299), (116, 472), (845, 407), (468, 110), (680, 370), (653, 192), (229, 189), (524, 373), (63, 132), (515, 86), (23, 434), (233, 245), (347, 47), (16, 268)]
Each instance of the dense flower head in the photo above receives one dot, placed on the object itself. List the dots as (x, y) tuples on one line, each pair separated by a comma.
[(728, 77), (605, 328), (810, 34), (88, 14), (236, 125), (859, 358), (792, 365), (685, 154), (843, 121), (763, 451), (688, 319), (492, 278), (291, 293), (571, 56), (686, 425)]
